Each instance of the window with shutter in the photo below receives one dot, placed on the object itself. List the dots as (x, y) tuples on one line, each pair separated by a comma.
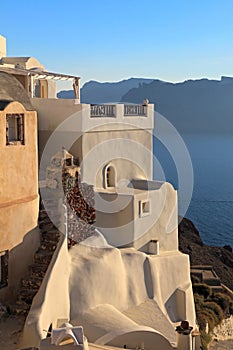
[(14, 129)]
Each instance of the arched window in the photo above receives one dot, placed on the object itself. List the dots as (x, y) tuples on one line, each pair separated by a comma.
[(109, 176)]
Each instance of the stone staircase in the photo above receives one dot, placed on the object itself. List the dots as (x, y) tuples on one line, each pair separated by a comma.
[(30, 285), (207, 275), (63, 185)]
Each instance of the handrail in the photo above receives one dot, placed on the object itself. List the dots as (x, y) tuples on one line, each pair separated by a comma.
[(134, 110), (102, 111)]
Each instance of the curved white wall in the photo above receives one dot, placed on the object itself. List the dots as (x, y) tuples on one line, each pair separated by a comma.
[(52, 300), (105, 289)]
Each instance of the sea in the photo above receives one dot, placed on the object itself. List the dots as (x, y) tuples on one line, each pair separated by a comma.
[(211, 205)]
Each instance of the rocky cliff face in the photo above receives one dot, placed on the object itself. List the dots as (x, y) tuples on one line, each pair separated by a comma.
[(221, 258), (224, 331)]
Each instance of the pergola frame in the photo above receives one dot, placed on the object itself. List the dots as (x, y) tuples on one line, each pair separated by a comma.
[(37, 74)]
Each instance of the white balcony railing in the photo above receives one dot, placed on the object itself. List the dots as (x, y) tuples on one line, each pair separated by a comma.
[(110, 110), (104, 116), (134, 110), (103, 111)]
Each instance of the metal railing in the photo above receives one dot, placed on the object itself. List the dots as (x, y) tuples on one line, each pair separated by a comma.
[(103, 111), (134, 110)]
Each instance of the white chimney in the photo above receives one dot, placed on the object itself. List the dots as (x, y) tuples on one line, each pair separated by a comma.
[(2, 46)]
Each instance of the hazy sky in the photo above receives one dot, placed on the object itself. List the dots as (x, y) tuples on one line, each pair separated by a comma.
[(111, 40)]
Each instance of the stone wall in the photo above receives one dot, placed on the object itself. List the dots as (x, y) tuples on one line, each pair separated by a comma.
[(79, 199), (19, 200), (224, 331)]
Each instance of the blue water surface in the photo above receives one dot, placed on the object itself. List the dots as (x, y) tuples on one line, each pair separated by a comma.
[(211, 207)]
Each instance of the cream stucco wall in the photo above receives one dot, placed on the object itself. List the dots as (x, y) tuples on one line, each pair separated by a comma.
[(2, 46), (57, 113), (18, 196), (19, 165), (130, 151), (161, 223), (109, 293), (126, 141), (25, 62), (118, 216), (115, 217), (52, 112), (118, 121)]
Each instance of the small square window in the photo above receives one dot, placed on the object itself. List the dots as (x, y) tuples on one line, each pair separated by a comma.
[(14, 129), (68, 161), (144, 208), (4, 268)]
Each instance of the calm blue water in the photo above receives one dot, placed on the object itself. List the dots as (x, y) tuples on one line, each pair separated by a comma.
[(211, 207)]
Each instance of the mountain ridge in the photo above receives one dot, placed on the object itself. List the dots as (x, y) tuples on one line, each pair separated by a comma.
[(194, 105), (102, 92)]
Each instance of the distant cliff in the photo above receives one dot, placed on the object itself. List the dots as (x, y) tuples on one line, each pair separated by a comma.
[(192, 106), (221, 258), (96, 92)]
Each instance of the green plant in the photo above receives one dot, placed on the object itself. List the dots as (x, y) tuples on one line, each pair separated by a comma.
[(210, 308), (223, 300), (211, 318), (205, 340), (216, 309), (195, 279), (202, 320), (202, 289)]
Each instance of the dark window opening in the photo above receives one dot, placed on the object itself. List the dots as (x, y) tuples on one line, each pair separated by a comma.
[(68, 161), (110, 177), (14, 129), (4, 268), (76, 161), (144, 208)]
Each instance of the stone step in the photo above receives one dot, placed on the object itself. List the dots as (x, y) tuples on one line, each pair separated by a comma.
[(20, 308), (32, 282), (49, 245), (46, 226), (43, 257), (30, 285), (53, 236), (50, 238), (52, 230), (43, 216), (216, 289), (212, 281), (47, 242), (38, 270), (38, 267), (26, 295), (45, 223)]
